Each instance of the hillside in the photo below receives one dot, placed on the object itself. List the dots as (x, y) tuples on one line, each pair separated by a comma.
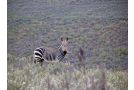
[(99, 26)]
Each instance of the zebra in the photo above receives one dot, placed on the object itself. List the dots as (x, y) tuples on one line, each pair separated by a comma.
[(50, 54)]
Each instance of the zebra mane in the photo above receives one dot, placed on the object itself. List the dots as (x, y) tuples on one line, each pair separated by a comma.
[(60, 47)]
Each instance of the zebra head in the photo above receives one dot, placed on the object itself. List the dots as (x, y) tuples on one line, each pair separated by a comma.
[(64, 45)]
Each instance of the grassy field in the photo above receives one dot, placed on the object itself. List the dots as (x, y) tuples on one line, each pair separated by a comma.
[(24, 75), (99, 26)]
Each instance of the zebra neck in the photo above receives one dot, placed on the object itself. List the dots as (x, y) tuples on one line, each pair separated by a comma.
[(62, 52)]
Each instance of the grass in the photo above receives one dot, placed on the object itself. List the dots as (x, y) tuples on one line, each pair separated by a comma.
[(100, 27), (24, 75)]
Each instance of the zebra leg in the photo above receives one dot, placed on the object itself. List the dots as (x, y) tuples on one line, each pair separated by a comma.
[(34, 61), (41, 61)]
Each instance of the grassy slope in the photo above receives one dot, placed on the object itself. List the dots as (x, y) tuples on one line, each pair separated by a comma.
[(23, 75), (99, 27)]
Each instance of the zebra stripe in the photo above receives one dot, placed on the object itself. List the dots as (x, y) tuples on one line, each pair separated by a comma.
[(51, 56), (41, 50), (61, 55), (38, 53)]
